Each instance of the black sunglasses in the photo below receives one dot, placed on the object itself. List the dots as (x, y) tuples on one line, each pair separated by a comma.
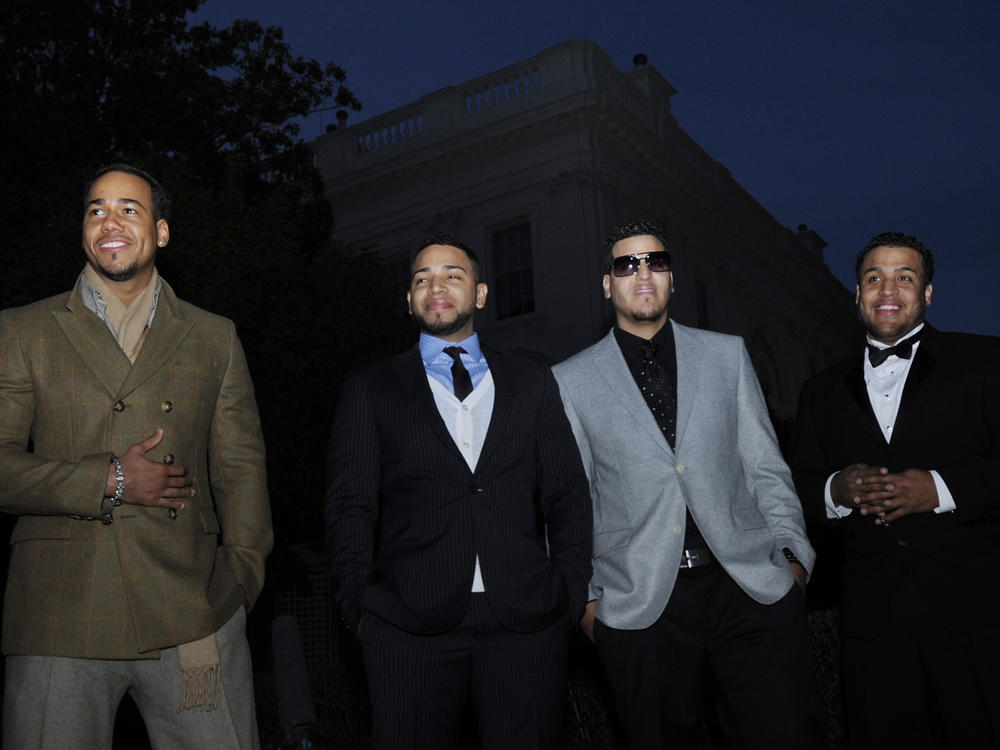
[(626, 265)]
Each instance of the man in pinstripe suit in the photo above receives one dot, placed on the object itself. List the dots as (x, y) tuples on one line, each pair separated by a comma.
[(131, 452), (459, 526)]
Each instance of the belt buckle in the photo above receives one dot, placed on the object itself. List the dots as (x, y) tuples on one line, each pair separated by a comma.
[(688, 559)]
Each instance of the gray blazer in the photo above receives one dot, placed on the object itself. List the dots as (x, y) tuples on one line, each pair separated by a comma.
[(727, 469)]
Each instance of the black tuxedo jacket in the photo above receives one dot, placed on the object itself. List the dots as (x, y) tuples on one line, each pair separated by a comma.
[(406, 516), (949, 421)]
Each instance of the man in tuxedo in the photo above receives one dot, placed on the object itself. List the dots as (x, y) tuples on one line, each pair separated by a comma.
[(131, 452), (700, 553), (459, 526), (899, 445)]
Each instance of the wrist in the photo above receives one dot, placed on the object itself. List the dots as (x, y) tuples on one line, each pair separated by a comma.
[(117, 495)]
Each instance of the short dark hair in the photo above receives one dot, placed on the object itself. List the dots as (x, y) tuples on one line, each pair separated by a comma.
[(445, 238), (161, 201), (624, 231), (897, 239)]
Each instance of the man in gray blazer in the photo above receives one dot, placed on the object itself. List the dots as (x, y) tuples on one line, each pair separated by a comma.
[(700, 553)]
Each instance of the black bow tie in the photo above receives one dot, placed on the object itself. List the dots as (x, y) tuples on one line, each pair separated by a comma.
[(903, 350)]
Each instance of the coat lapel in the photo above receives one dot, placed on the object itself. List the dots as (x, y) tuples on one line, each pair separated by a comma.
[(93, 343), (96, 346), (919, 383), (853, 392), (610, 363), (412, 376), (503, 404), (689, 376), (168, 331)]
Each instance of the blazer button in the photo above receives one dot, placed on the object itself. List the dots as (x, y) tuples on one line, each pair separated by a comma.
[(475, 489), (119, 406), (169, 458), (681, 468), (167, 406)]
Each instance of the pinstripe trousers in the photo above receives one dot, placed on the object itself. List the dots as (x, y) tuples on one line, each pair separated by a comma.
[(421, 684)]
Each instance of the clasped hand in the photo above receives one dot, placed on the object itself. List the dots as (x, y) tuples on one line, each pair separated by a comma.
[(872, 490)]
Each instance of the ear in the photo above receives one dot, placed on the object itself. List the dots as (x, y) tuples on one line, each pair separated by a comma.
[(928, 291), (606, 285), (409, 304), (857, 294), (481, 292), (162, 233)]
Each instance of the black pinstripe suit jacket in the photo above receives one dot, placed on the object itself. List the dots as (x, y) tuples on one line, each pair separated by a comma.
[(406, 516)]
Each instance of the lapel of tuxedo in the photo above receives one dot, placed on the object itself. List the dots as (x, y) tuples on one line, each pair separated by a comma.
[(919, 383), (610, 363), (852, 391)]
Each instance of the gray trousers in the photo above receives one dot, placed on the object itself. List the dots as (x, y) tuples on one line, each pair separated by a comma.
[(58, 703)]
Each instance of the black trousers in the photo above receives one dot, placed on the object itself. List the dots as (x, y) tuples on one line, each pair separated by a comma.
[(420, 684), (909, 683), (754, 660)]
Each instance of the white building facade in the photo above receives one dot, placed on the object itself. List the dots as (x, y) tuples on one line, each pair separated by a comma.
[(534, 164)]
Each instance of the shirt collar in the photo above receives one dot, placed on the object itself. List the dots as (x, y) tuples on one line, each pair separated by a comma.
[(630, 344), (911, 333), (431, 347)]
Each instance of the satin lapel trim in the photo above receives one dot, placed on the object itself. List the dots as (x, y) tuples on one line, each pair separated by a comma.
[(610, 363), (96, 346), (915, 389), (856, 396)]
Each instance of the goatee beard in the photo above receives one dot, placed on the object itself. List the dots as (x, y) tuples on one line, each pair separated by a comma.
[(443, 328), (643, 316), (122, 275)]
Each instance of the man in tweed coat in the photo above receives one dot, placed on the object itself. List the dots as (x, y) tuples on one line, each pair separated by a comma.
[(131, 452)]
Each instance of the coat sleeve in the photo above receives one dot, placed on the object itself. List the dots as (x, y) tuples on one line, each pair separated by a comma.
[(31, 484), (807, 458), (566, 494), (352, 486), (766, 472), (238, 474)]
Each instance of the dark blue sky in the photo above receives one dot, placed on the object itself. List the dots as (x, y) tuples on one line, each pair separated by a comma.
[(851, 117)]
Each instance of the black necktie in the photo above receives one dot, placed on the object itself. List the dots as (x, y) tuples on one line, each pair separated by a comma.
[(656, 389), (903, 350), (461, 380)]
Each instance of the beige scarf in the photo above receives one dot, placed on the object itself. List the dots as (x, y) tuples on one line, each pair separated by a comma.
[(199, 660)]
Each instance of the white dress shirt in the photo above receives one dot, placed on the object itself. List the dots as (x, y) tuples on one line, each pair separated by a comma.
[(885, 390)]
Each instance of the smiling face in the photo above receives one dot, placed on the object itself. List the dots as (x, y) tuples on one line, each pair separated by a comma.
[(640, 300), (444, 292), (892, 293), (120, 233)]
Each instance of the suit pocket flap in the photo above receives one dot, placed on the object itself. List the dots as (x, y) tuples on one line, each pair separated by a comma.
[(209, 521), (605, 541), (748, 517), (42, 527)]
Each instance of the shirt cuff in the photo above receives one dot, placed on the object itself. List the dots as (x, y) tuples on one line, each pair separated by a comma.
[(832, 509), (946, 503)]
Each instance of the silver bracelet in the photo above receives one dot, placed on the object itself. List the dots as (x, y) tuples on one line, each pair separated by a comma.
[(119, 497)]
